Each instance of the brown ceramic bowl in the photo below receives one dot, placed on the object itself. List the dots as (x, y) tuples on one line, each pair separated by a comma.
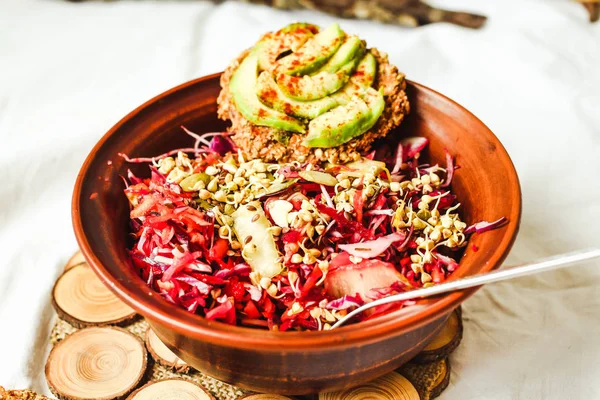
[(289, 362)]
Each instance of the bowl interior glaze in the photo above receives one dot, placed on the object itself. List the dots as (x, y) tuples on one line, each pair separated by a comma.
[(486, 185)]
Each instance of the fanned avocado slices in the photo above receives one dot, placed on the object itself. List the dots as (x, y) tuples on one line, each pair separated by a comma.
[(365, 73), (345, 122), (243, 89), (314, 53), (288, 39), (271, 95), (361, 79), (326, 79), (323, 83), (311, 87), (351, 49)]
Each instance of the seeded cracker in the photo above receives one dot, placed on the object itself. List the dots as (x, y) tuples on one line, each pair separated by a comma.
[(260, 141)]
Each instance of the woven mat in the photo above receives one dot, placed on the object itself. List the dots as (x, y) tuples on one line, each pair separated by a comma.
[(420, 375)]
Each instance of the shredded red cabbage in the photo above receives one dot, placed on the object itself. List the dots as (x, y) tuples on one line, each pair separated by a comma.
[(361, 246)]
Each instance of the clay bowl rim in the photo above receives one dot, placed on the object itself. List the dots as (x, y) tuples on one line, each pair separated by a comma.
[(197, 327)]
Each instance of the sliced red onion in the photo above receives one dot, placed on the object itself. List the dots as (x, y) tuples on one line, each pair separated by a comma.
[(255, 293), (408, 148), (242, 269), (372, 248), (192, 307), (406, 241), (376, 222), (225, 311), (448, 262), (485, 226), (449, 169), (287, 172), (202, 287), (414, 145), (345, 302), (398, 159), (163, 260), (178, 265), (132, 178), (199, 267), (327, 197)]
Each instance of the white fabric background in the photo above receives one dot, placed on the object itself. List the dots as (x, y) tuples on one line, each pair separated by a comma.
[(68, 72)]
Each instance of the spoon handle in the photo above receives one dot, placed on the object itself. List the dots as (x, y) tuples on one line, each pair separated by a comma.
[(546, 264)]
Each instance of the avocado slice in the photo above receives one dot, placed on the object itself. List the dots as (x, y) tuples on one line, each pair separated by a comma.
[(271, 95), (296, 27), (362, 78), (243, 89), (364, 75), (314, 87), (311, 87), (344, 123), (288, 39), (262, 253), (351, 49), (314, 53), (329, 79)]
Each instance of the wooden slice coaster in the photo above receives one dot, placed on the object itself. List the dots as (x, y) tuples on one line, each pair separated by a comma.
[(81, 299), (96, 363), (445, 342), (264, 396), (430, 380), (163, 355), (171, 389), (76, 259), (390, 386)]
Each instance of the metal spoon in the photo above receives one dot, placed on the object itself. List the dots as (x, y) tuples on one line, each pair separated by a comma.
[(546, 264)]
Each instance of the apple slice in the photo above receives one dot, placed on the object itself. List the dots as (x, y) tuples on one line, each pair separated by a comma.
[(348, 278)]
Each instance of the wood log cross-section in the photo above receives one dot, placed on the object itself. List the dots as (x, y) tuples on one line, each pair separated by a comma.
[(76, 259), (390, 386), (99, 363), (163, 355), (430, 380), (445, 342), (171, 389), (81, 299)]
